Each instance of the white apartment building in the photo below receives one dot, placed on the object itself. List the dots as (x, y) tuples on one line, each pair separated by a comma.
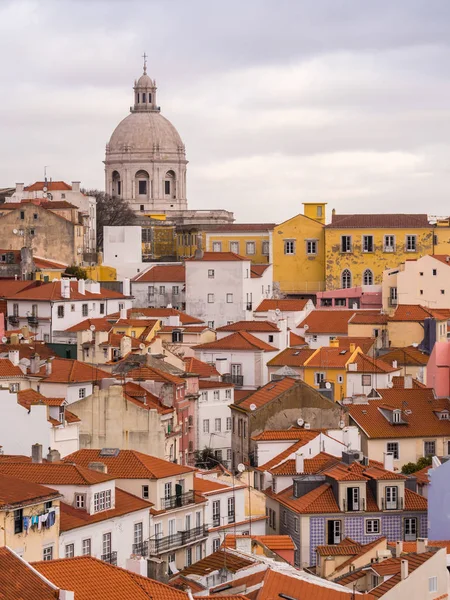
[(270, 332), (160, 285), (294, 310), (52, 308), (214, 418), (222, 287)]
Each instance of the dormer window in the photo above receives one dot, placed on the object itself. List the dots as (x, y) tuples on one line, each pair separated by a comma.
[(102, 501), (353, 498), (444, 415), (396, 416)]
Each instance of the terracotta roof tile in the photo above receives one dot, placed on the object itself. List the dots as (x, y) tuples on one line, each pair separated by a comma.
[(234, 227), (144, 399), (146, 373), (125, 503), (159, 313), (66, 370), (31, 397), (218, 257), (7, 369), (241, 340), (418, 313), (279, 434), (391, 566), (282, 456), (273, 542), (162, 273), (377, 220), (52, 186), (422, 476), (319, 500), (44, 263), (339, 549), (311, 465), (296, 340), (203, 486), (11, 288), (259, 326), (182, 583), (258, 270), (194, 365), (14, 491), (406, 356), (368, 319), (329, 358), (365, 343), (61, 473), (285, 305), (327, 321), (100, 324), (206, 384), (217, 560), (291, 357), (52, 292), (268, 393), (19, 582), (27, 350), (91, 578), (366, 364), (184, 328), (129, 464), (443, 258)]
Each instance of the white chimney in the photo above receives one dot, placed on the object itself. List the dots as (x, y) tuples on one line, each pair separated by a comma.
[(81, 286), (174, 320), (65, 288), (92, 286), (19, 189), (48, 367), (76, 186), (244, 544), (388, 461), (123, 313), (66, 595), (408, 382), (137, 564), (299, 463), (36, 453), (126, 287), (353, 367), (422, 544), (394, 364), (13, 356), (403, 569), (398, 548)]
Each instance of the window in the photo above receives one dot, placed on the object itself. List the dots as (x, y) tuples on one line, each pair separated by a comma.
[(340, 379), (61, 311), (334, 530), (346, 243), (228, 423), (367, 245), (175, 290), (211, 324), (102, 308), (151, 290), (367, 277), (217, 247), (210, 273), (442, 291), (218, 424), (167, 188), (396, 416), (198, 552), (432, 584), (234, 247), (22, 215), (429, 448), (142, 188), (106, 544), (229, 298), (284, 517), (229, 454), (392, 447), (15, 310), (319, 378), (216, 394), (82, 393), (411, 243), (14, 387), (80, 500), (167, 490), (391, 492), (270, 339), (18, 520), (230, 510), (145, 491), (205, 425), (311, 246), (366, 380), (216, 513), (162, 289), (265, 248), (353, 498), (86, 547), (72, 308), (410, 526), (69, 551), (47, 553), (102, 500), (289, 246), (250, 248), (215, 544), (138, 534), (372, 526), (346, 279), (295, 523), (210, 298), (389, 243), (84, 310)]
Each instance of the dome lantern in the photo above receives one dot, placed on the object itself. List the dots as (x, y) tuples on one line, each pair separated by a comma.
[(145, 92)]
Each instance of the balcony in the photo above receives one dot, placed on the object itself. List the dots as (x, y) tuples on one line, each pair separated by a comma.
[(392, 504), (13, 319), (237, 380), (177, 500), (359, 506), (110, 558), (176, 540), (141, 549), (33, 321)]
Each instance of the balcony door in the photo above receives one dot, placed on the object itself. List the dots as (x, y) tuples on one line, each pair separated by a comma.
[(334, 531), (410, 529), (391, 497), (353, 501), (172, 529)]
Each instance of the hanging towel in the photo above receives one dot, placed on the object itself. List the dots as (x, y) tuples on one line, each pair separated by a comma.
[(34, 521), (51, 518), (26, 524)]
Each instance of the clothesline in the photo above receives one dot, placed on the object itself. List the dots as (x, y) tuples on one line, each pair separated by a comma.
[(42, 521)]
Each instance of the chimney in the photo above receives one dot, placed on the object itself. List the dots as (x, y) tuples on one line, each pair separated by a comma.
[(403, 569), (126, 287), (76, 186), (388, 461), (333, 212), (137, 564), (352, 347), (53, 456), (34, 363), (334, 343), (13, 356), (299, 463), (123, 313), (98, 466), (19, 189), (48, 366), (422, 544), (408, 382), (394, 364), (65, 288), (36, 453), (244, 544), (81, 286), (66, 595), (398, 548), (353, 366), (125, 345)]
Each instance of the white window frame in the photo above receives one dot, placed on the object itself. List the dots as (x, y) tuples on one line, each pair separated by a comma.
[(365, 243), (311, 247), (433, 584), (234, 247), (217, 424), (347, 247), (205, 425), (217, 246), (289, 247), (69, 550), (211, 273), (369, 526), (250, 248), (229, 298), (210, 298), (425, 445), (411, 243), (265, 248), (319, 377), (86, 546), (387, 245), (394, 449)]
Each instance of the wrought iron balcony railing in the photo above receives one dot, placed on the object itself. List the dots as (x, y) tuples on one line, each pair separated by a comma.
[(237, 380), (159, 545), (110, 558), (141, 549), (178, 500)]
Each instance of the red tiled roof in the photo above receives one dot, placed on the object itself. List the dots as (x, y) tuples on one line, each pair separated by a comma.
[(146, 373), (216, 561), (218, 257), (31, 397), (7, 369), (52, 292), (184, 328), (114, 340), (311, 465), (91, 578), (273, 542), (267, 393), (241, 340), (406, 356), (10, 288), (44, 263), (327, 321), (444, 258), (418, 313), (420, 422), (129, 464), (296, 340), (366, 364), (368, 318), (59, 473), (144, 399), (205, 486), (18, 581), (329, 358), (422, 476), (194, 365), (206, 384), (319, 500), (285, 305), (14, 491), (260, 326), (159, 313), (399, 382), (67, 370), (279, 435), (377, 220), (125, 503), (162, 273), (307, 436), (365, 343), (391, 566), (100, 324), (258, 270), (52, 186)]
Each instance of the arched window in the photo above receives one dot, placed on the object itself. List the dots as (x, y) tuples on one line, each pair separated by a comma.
[(116, 184), (169, 184), (142, 180), (346, 279), (367, 277)]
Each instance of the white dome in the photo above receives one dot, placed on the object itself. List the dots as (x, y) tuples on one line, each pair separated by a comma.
[(141, 131), (145, 81)]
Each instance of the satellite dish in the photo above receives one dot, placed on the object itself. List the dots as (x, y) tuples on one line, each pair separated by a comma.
[(15, 232), (92, 327), (4, 339), (306, 326), (141, 346), (45, 188), (300, 422), (277, 311), (252, 406), (341, 424), (241, 468), (328, 385), (20, 336)]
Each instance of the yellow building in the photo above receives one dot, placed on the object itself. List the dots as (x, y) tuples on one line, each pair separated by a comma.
[(442, 236), (359, 247), (329, 365), (135, 328), (299, 252), (22, 504)]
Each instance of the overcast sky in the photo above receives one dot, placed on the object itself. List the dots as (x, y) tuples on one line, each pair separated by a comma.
[(278, 102)]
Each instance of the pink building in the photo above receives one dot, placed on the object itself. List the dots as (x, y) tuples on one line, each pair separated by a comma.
[(363, 296), (2, 325), (438, 369)]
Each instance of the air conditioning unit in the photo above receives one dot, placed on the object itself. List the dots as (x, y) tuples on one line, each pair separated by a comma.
[(307, 426)]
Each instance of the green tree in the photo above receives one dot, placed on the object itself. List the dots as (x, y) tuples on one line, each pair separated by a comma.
[(409, 468), (205, 459), (77, 272)]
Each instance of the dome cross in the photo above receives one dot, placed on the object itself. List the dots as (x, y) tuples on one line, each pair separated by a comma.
[(144, 56)]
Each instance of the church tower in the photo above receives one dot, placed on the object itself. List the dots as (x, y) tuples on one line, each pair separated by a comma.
[(145, 161)]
